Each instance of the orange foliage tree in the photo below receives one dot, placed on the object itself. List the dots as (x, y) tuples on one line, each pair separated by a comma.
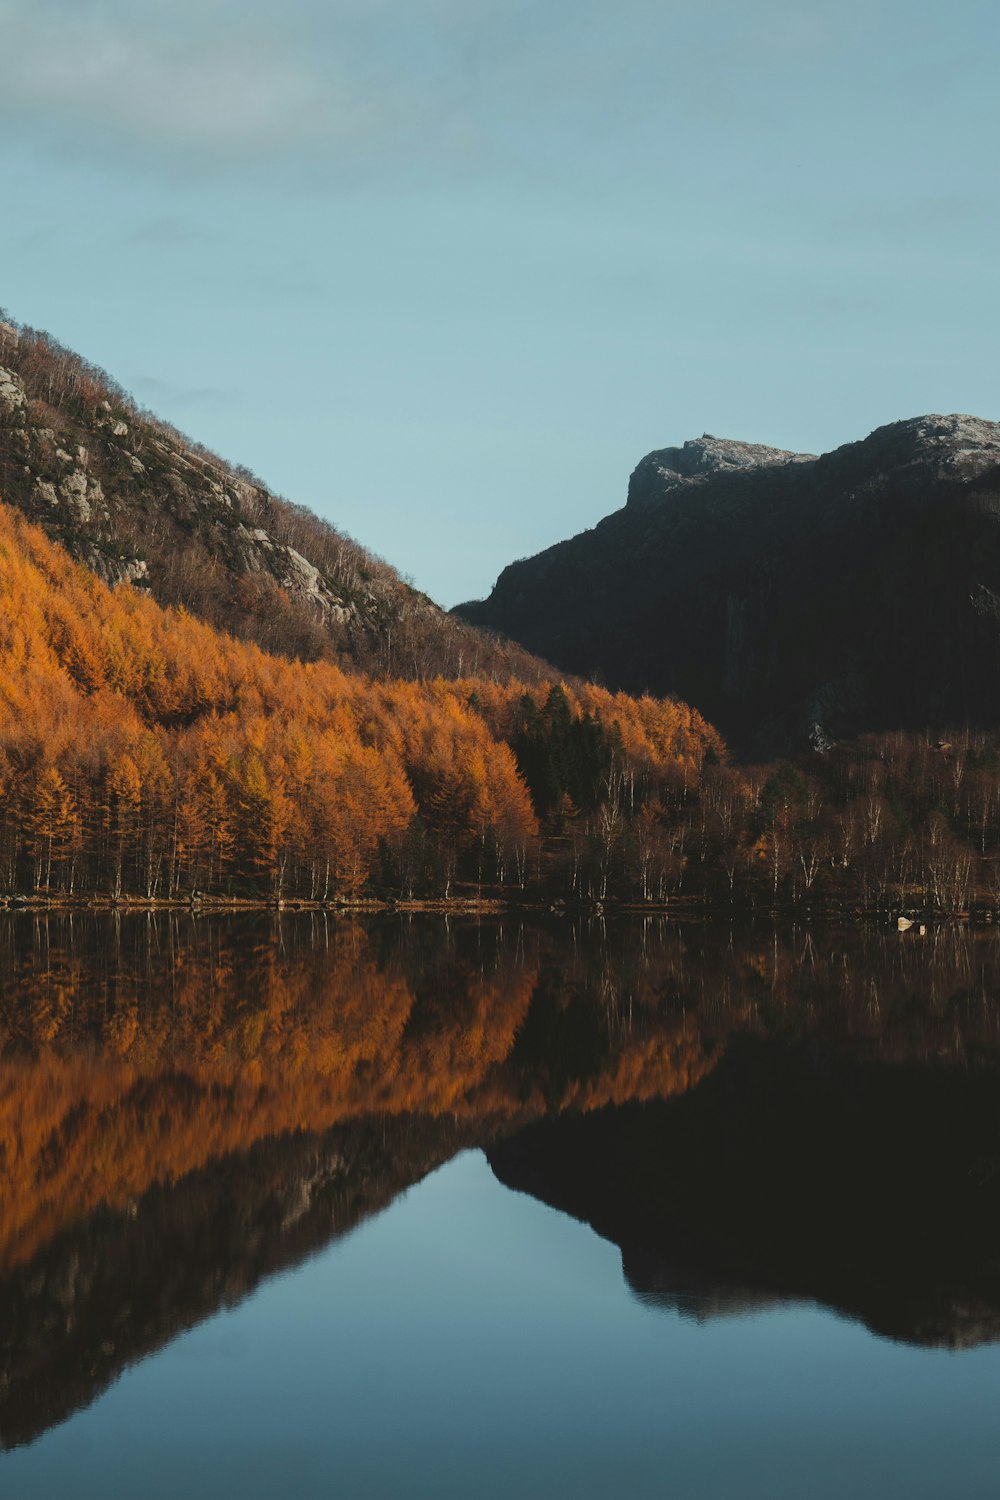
[(143, 753)]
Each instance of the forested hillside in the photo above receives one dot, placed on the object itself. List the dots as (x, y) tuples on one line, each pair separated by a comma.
[(233, 700), (140, 503), (143, 752)]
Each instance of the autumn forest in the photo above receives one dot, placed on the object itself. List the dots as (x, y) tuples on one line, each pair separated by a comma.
[(208, 694), (145, 754)]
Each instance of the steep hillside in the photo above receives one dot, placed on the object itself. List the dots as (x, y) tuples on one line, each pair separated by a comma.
[(142, 751), (789, 598), (140, 503)]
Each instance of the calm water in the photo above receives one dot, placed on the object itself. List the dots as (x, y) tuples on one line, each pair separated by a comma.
[(412, 1208)]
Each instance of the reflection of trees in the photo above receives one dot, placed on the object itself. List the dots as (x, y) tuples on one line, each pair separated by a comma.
[(188, 1103), (138, 1051), (135, 1051)]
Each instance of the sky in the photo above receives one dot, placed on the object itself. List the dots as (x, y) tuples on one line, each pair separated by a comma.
[(444, 270)]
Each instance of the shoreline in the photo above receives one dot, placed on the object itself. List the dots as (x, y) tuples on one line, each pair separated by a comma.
[(690, 908)]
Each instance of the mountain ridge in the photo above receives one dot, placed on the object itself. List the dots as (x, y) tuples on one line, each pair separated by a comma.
[(666, 468), (783, 595), (141, 504)]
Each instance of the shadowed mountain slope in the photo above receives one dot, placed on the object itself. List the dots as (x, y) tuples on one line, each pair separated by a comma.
[(787, 597)]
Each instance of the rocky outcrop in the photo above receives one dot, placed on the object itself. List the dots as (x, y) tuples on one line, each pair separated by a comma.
[(156, 486), (700, 458), (792, 600), (11, 391)]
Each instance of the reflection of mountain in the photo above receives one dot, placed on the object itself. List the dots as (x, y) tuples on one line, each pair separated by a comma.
[(119, 1285), (794, 1173), (691, 1291), (189, 1105), (120, 1071), (172, 1133)]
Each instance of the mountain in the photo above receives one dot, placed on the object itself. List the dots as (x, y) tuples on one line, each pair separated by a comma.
[(139, 503), (790, 598)]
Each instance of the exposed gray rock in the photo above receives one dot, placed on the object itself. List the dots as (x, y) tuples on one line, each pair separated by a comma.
[(11, 390), (697, 460), (301, 576), (73, 490), (115, 571), (114, 485)]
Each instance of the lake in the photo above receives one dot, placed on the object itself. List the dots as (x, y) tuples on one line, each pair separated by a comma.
[(408, 1206)]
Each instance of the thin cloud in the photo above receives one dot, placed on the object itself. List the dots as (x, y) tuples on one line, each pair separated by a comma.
[(169, 233), (160, 393), (202, 87), (229, 82), (346, 87), (950, 211)]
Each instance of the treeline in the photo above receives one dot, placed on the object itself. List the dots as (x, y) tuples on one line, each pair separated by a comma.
[(885, 823), (144, 754), (890, 822)]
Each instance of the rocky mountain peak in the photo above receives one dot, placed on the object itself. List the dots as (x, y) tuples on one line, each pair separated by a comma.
[(956, 445), (792, 601), (667, 468)]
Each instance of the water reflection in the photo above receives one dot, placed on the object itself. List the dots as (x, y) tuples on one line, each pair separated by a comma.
[(794, 1172), (189, 1105)]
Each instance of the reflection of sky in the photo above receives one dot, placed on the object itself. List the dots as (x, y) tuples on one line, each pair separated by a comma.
[(471, 1342), (445, 269)]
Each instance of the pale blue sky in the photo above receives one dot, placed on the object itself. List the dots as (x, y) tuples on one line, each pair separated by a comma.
[(445, 270)]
